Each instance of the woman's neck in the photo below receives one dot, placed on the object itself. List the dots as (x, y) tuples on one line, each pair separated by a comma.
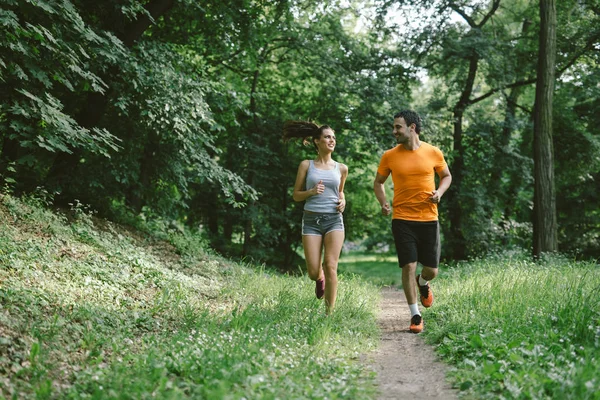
[(324, 159)]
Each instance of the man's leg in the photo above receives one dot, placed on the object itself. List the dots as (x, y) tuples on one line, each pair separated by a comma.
[(429, 273), (408, 282), (406, 249), (429, 256), (410, 291), (422, 282)]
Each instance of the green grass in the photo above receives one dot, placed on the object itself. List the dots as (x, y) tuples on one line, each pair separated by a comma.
[(515, 329), (380, 269), (91, 310), (510, 328)]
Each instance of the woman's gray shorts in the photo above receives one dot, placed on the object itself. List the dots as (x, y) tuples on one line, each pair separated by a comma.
[(319, 224)]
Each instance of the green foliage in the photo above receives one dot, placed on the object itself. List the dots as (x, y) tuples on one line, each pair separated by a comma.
[(299, 63), (91, 309), (493, 198), (168, 123), (180, 124), (48, 51), (577, 163), (516, 329)]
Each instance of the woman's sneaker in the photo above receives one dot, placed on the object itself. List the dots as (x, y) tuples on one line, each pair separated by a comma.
[(426, 293), (416, 323), (320, 288)]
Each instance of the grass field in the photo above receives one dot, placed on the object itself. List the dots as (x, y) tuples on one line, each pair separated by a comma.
[(516, 329), (511, 328), (381, 270), (89, 309)]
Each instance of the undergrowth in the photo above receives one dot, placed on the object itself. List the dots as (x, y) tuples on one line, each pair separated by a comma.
[(518, 329), (92, 310)]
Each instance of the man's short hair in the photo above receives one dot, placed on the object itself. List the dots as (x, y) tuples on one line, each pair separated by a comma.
[(411, 117)]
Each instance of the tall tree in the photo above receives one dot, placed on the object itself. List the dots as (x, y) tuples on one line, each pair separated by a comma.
[(473, 62), (472, 57), (544, 223)]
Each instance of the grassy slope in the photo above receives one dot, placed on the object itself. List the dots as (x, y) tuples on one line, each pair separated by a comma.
[(89, 309)]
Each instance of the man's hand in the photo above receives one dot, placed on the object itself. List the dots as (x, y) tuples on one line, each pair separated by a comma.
[(386, 209), (435, 197)]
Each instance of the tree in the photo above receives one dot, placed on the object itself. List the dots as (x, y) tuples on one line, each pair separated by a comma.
[(476, 67), (469, 57), (47, 56), (276, 61), (94, 107), (544, 223)]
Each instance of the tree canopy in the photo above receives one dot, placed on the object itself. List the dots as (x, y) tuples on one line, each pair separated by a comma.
[(172, 110)]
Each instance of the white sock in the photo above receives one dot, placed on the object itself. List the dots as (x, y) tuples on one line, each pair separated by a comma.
[(422, 281), (414, 309)]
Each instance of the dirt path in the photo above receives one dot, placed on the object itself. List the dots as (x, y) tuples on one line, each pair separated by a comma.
[(406, 367)]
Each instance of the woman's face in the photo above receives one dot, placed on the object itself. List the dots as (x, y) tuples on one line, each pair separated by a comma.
[(327, 140)]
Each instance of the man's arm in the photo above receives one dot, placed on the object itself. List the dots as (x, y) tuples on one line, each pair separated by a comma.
[(379, 190), (445, 181)]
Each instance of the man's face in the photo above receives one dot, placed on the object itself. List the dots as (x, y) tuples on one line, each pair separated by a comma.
[(401, 131)]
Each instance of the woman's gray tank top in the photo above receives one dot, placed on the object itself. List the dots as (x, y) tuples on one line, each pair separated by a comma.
[(327, 201)]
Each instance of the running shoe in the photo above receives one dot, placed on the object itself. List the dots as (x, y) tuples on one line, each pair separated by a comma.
[(416, 323), (320, 288), (426, 294)]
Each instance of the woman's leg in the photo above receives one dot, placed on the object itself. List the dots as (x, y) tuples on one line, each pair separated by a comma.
[(334, 241), (312, 254)]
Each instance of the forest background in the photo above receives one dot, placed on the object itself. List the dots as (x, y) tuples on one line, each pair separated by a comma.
[(170, 113)]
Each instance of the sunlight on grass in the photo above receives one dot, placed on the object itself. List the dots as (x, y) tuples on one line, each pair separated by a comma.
[(519, 329), (107, 313), (380, 269), (103, 313)]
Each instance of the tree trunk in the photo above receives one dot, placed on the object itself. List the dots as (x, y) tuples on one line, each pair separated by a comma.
[(250, 211), (456, 240), (544, 206)]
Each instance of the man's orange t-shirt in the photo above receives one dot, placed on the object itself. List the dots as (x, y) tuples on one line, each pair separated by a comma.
[(413, 175)]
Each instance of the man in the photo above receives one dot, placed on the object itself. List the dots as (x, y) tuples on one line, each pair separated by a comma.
[(413, 164)]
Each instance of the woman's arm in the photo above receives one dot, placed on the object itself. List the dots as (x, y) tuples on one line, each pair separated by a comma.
[(342, 200), (299, 193)]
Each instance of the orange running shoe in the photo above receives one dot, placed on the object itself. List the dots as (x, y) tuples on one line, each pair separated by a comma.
[(426, 294), (416, 323), (320, 288)]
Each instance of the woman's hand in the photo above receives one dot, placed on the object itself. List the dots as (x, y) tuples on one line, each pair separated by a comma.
[(341, 205), (318, 188)]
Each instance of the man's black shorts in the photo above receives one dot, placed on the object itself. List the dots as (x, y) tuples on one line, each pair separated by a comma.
[(417, 241)]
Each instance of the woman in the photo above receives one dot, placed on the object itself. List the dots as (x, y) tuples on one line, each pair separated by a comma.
[(320, 184)]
